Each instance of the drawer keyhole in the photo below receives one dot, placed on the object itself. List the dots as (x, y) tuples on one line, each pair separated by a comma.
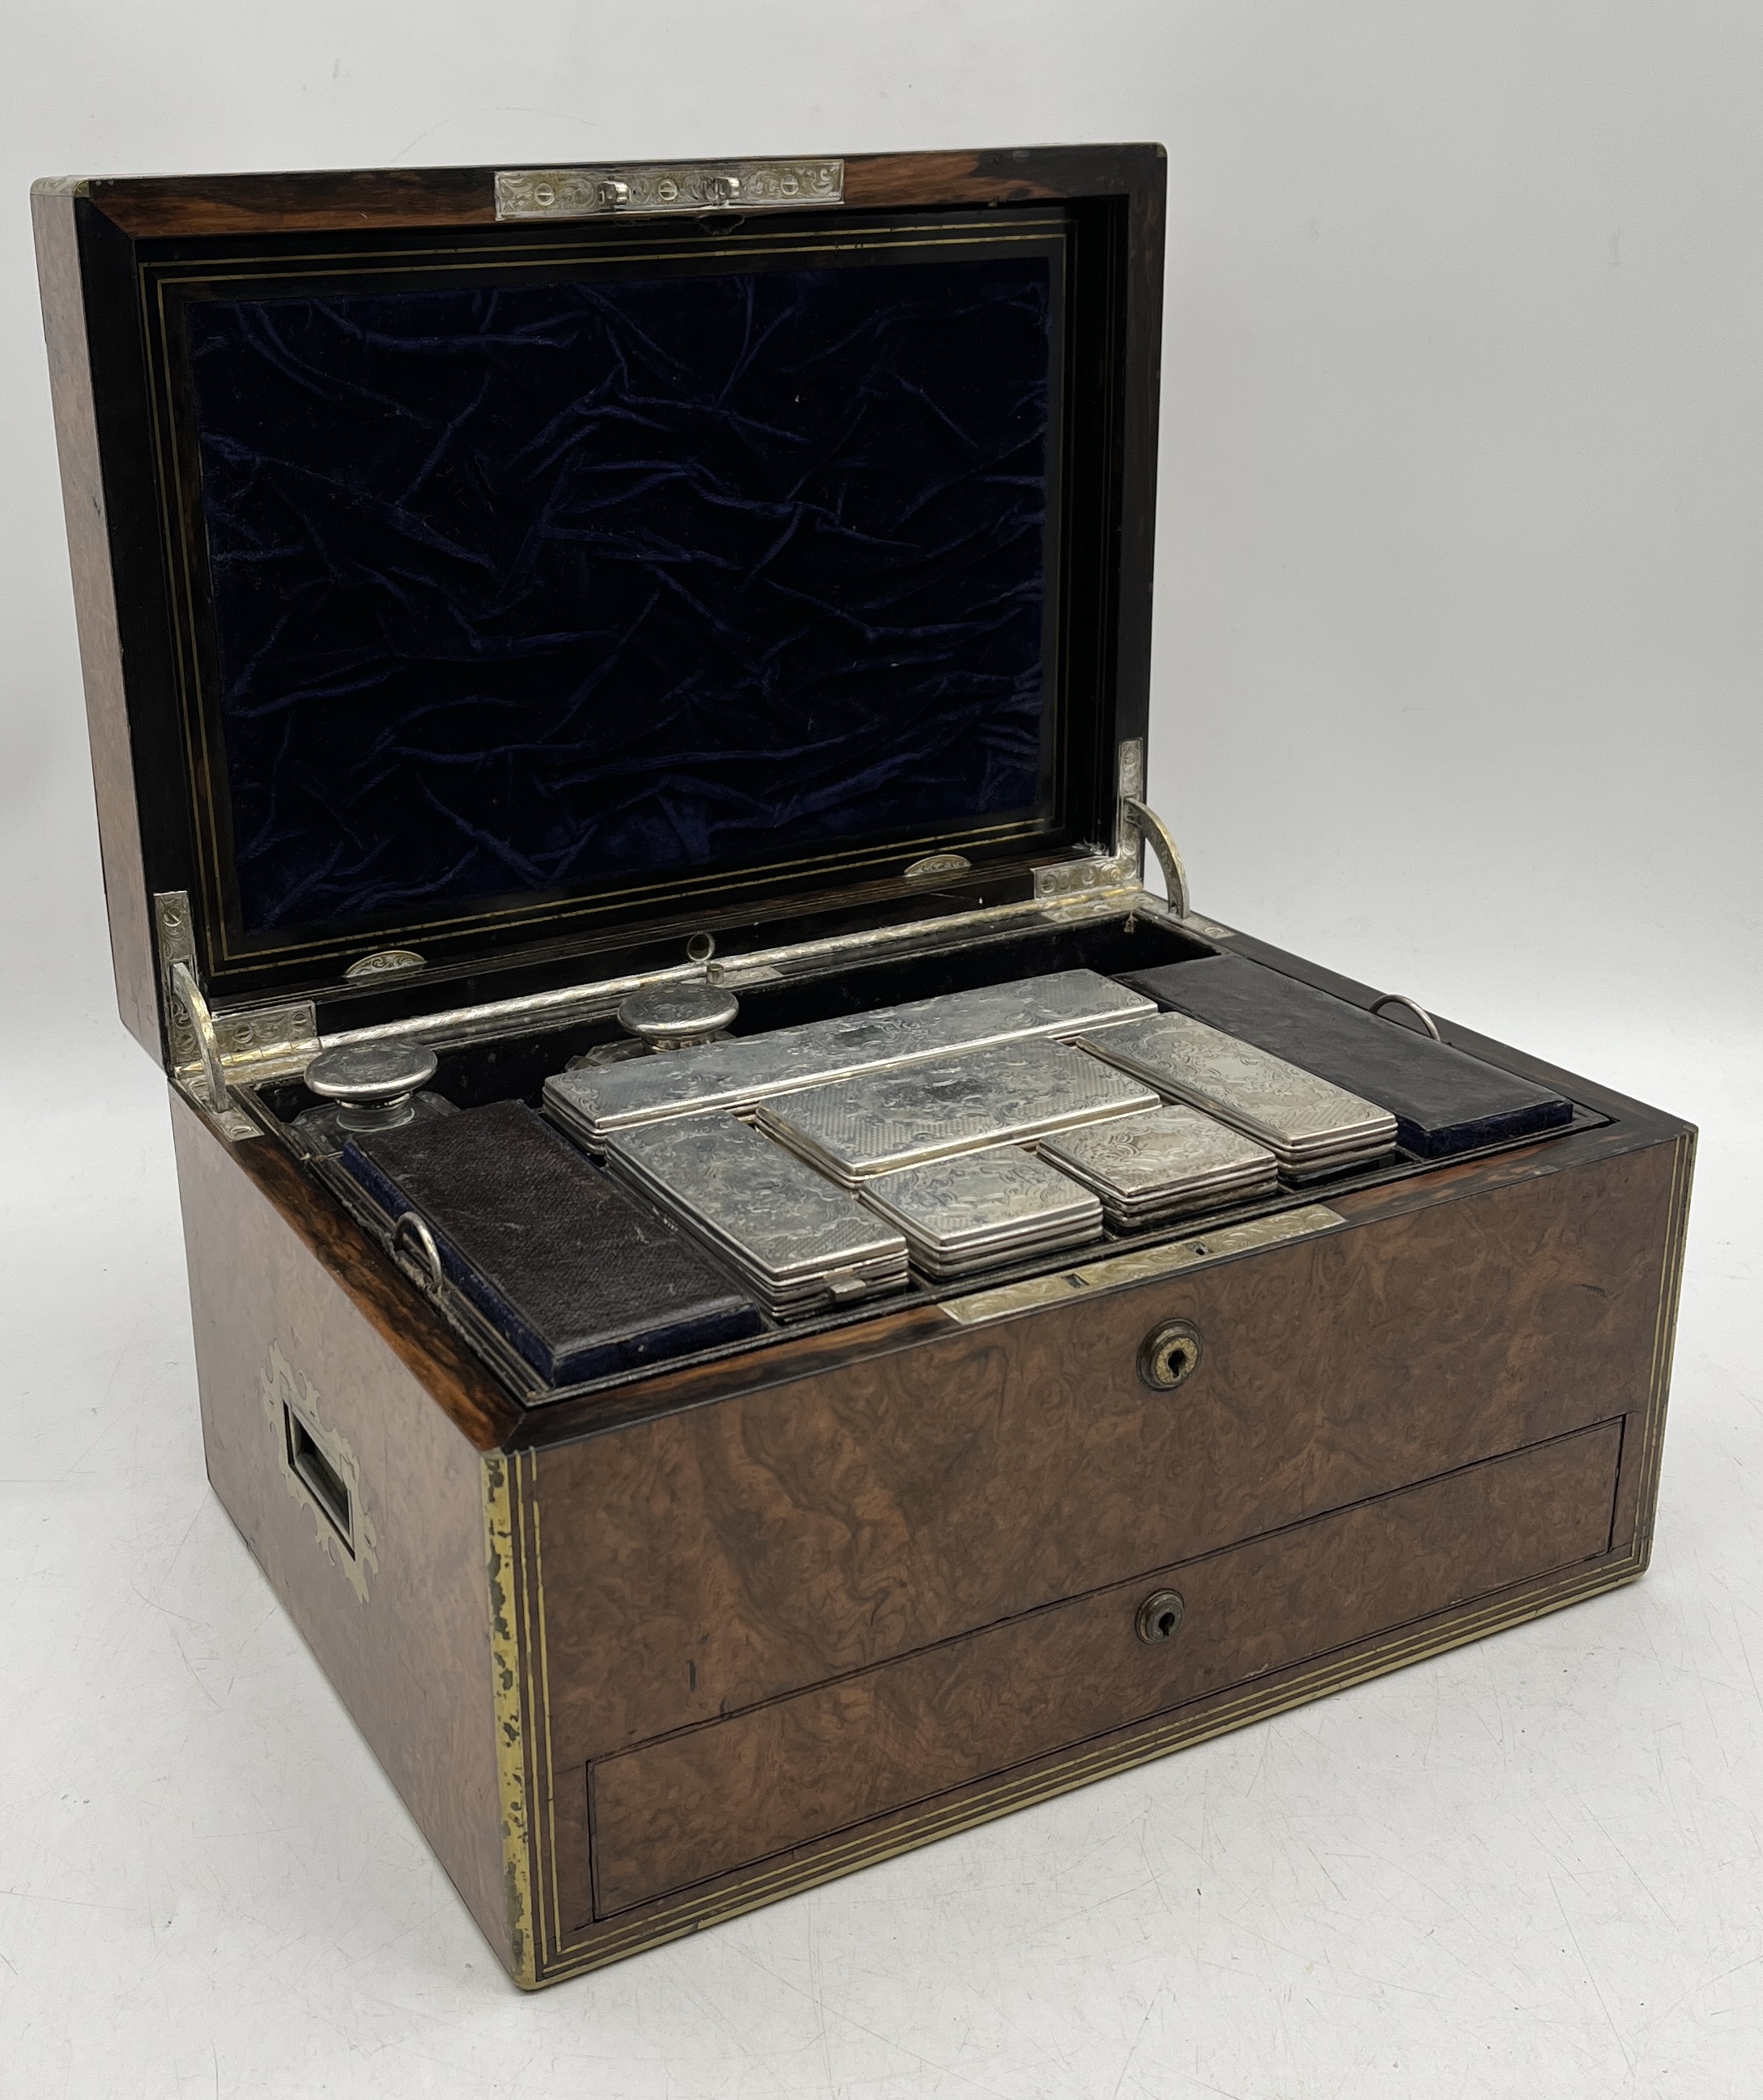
[(1160, 1615), (1170, 1354)]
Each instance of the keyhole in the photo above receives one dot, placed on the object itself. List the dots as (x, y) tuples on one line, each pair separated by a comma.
[(1160, 1615), (1170, 1354)]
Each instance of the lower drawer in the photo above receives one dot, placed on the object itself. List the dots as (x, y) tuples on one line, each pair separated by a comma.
[(710, 1799)]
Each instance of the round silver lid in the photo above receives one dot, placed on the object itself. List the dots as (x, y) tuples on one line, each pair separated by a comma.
[(370, 1075), (671, 1015)]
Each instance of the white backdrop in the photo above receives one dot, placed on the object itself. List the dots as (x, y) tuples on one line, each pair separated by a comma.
[(1459, 637)]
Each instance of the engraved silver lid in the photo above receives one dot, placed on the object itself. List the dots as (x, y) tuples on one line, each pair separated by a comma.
[(372, 1083), (739, 1071), (671, 1016)]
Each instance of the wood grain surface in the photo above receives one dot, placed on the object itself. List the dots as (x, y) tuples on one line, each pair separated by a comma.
[(724, 1796), (411, 1661), (482, 1409), (702, 1563), (153, 207), (94, 607)]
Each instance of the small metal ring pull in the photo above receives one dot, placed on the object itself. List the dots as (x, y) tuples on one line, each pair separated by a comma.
[(1414, 1007), (1160, 1615), (410, 1222), (1170, 1355)]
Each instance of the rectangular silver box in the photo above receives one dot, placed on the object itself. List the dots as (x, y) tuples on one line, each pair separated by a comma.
[(977, 1210), (801, 1243), (1006, 1094), (1168, 1162), (738, 1071), (1311, 1126)]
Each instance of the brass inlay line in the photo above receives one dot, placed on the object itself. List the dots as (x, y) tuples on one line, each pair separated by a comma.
[(584, 246), (544, 1665), (1665, 1333), (501, 1561)]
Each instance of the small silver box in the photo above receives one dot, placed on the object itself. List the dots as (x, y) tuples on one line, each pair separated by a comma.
[(1168, 1162), (1007, 1094), (801, 1243), (980, 1209), (1311, 1126)]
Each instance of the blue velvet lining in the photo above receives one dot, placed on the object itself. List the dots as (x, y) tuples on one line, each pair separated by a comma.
[(546, 589)]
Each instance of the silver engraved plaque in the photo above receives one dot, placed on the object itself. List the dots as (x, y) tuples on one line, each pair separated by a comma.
[(978, 1209), (740, 1071), (800, 1242), (666, 186), (1312, 1126), (1166, 1163), (1005, 1094)]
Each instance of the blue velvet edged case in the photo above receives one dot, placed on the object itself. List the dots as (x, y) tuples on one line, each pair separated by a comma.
[(581, 1281), (1445, 1101)]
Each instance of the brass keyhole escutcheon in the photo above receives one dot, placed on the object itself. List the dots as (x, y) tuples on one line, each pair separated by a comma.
[(1170, 1354), (1160, 1615)]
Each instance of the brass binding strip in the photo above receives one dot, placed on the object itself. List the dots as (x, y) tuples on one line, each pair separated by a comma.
[(501, 1565)]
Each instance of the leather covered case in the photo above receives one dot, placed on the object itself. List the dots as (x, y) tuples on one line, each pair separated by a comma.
[(583, 1282), (1445, 1101)]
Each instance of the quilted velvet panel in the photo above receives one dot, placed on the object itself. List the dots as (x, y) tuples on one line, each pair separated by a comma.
[(549, 589)]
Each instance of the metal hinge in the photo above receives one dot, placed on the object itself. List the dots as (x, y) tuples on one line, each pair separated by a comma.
[(209, 1052), (667, 186), (1136, 826)]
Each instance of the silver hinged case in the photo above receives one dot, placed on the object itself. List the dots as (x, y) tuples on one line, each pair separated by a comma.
[(1311, 1126), (978, 1210), (1006, 1094), (1165, 1163), (797, 1240)]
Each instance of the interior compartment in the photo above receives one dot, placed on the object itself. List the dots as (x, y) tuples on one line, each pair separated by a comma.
[(515, 1067)]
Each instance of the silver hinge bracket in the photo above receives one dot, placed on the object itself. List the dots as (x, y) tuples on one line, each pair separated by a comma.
[(1157, 835), (210, 1053), (666, 186), (1136, 826)]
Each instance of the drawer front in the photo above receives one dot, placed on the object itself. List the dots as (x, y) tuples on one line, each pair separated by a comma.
[(701, 1562), (735, 1792)]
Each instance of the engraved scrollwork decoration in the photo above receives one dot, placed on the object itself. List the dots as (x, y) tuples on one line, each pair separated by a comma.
[(669, 187)]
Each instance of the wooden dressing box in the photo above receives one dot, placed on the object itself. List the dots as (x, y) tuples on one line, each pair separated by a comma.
[(481, 616)]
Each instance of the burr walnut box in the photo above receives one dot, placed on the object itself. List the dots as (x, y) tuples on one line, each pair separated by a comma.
[(560, 641)]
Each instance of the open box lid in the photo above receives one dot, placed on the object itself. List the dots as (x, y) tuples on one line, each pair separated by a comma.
[(491, 582)]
